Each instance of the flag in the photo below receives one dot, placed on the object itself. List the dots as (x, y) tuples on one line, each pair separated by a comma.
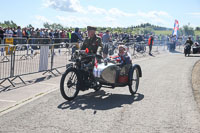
[(176, 28)]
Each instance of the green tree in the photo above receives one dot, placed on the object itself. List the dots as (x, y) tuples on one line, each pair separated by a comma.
[(8, 24), (53, 26), (186, 30), (29, 26), (197, 28)]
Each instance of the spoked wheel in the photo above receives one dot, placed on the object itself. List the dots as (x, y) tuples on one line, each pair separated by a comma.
[(134, 82), (69, 87)]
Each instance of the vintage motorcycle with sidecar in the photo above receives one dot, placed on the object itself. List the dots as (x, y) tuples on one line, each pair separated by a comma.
[(92, 71), (194, 49)]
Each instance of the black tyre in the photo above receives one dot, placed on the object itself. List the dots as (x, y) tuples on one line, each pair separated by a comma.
[(98, 87), (69, 86), (134, 82), (185, 52)]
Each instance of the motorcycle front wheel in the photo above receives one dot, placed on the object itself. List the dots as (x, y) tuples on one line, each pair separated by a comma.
[(69, 84)]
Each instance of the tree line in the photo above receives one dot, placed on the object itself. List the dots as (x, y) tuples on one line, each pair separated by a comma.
[(145, 28)]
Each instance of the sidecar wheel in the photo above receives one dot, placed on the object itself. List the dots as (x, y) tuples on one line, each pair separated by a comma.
[(69, 86), (134, 82)]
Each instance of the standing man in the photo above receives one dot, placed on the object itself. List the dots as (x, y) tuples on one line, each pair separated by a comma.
[(150, 43), (106, 37), (75, 38), (19, 31), (92, 41), (173, 45), (105, 40)]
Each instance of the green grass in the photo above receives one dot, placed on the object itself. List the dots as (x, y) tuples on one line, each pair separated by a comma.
[(197, 33), (163, 32)]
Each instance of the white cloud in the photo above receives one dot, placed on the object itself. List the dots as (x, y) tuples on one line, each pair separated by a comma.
[(111, 12), (72, 21), (64, 5), (194, 14), (113, 17), (117, 12), (95, 10), (40, 20), (160, 18), (153, 14)]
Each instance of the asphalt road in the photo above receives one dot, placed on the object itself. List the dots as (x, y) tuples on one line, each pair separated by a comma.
[(164, 103)]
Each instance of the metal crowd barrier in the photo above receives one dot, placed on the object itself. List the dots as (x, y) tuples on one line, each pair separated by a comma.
[(6, 63), (24, 60), (39, 41)]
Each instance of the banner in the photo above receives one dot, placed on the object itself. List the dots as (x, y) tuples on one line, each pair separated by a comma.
[(176, 28), (8, 41), (43, 65)]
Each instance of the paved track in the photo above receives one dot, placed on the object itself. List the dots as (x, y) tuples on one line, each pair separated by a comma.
[(164, 103)]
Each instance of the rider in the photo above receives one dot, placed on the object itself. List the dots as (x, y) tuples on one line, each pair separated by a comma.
[(190, 42), (92, 42)]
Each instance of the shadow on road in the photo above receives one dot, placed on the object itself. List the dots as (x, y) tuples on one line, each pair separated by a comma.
[(100, 101), (193, 56), (175, 52), (28, 82)]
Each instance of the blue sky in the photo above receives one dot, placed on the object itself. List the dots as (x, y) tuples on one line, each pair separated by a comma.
[(112, 13)]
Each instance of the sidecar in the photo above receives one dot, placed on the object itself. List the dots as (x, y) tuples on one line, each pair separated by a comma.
[(111, 75)]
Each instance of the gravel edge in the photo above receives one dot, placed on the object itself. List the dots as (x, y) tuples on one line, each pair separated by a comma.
[(196, 82)]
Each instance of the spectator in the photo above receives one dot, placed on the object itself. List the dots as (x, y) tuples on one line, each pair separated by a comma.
[(150, 43), (105, 40), (1, 35), (37, 33), (69, 34), (56, 34), (9, 32), (106, 37), (24, 33), (51, 33), (75, 37), (41, 33), (19, 32), (63, 34), (14, 32), (173, 44)]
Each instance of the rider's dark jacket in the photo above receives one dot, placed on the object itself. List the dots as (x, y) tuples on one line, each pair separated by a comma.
[(93, 44), (190, 42)]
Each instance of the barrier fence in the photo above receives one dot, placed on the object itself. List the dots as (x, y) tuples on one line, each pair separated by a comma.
[(22, 56), (22, 59)]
